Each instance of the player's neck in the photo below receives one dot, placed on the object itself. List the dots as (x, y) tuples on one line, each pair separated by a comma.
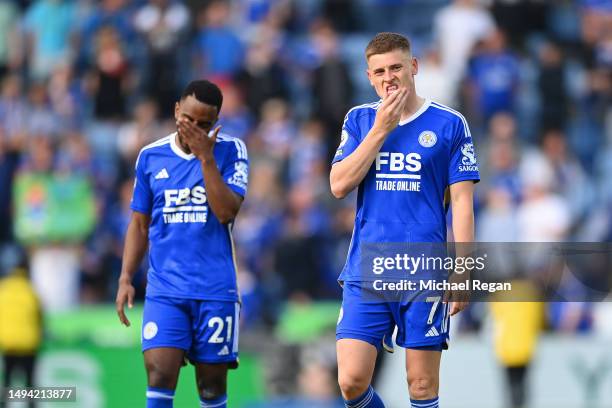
[(181, 145), (413, 104)]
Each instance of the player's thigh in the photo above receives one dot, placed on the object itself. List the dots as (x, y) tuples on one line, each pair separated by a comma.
[(166, 322), (211, 379), (423, 369), (215, 333), (163, 365), (356, 361), (166, 335), (364, 320)]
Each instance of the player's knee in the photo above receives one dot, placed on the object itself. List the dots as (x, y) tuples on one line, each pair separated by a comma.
[(160, 376), (352, 386), (213, 386), (422, 387)]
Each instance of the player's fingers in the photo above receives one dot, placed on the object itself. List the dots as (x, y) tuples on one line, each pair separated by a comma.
[(401, 98), (397, 106), (388, 101), (183, 128), (215, 132), (131, 298), (454, 308), (187, 128), (121, 313)]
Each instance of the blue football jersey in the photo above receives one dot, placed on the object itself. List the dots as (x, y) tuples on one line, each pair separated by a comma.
[(401, 199), (190, 252)]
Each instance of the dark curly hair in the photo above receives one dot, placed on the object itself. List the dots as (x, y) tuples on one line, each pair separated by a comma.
[(205, 92)]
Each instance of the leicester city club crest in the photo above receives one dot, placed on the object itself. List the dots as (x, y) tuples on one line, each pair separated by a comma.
[(427, 138)]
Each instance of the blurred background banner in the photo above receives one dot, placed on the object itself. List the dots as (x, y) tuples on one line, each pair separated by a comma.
[(85, 84), (53, 209)]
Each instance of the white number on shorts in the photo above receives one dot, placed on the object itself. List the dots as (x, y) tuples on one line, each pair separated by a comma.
[(218, 322), (436, 302)]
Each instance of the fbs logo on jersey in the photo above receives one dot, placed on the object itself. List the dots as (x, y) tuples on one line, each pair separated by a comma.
[(163, 174), (185, 205), (433, 332), (224, 351), (396, 171), (398, 165), (468, 160), (196, 195)]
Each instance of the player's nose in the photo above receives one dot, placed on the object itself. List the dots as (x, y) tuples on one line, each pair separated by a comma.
[(388, 77)]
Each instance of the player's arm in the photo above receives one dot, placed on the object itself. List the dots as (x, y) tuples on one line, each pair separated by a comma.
[(347, 174), (223, 201), (136, 241), (462, 204)]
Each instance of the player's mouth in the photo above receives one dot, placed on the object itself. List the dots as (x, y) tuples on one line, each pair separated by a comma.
[(389, 89)]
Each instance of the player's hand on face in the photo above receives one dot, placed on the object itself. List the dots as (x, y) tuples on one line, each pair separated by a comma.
[(390, 110), (200, 144), (125, 294)]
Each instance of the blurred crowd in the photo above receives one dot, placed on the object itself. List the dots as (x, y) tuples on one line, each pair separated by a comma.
[(85, 84)]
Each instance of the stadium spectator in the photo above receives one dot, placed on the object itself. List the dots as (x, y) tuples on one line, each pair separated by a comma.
[(164, 24), (517, 326), (67, 98), (9, 160), (457, 28), (144, 128), (21, 326), (276, 129), (432, 79), (543, 216), (13, 110), (261, 77), (10, 38), (331, 82), (552, 87), (218, 50), (106, 14), (48, 27), (570, 179), (237, 120), (493, 77), (42, 120)]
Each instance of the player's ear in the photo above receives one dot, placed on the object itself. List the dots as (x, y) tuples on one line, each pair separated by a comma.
[(176, 110), (369, 77), (415, 66)]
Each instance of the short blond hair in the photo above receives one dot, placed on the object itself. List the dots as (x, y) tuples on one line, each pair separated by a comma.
[(387, 42)]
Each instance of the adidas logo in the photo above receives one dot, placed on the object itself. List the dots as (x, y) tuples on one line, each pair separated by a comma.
[(224, 351), (432, 332), (163, 174)]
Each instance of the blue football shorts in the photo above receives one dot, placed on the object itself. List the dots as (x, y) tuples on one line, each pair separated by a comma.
[(422, 324), (206, 329)]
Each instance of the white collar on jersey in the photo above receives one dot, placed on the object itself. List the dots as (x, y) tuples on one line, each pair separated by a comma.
[(416, 114), (177, 150)]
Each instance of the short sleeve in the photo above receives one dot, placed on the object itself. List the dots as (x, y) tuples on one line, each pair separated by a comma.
[(142, 198), (235, 170), (348, 138), (463, 162)]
